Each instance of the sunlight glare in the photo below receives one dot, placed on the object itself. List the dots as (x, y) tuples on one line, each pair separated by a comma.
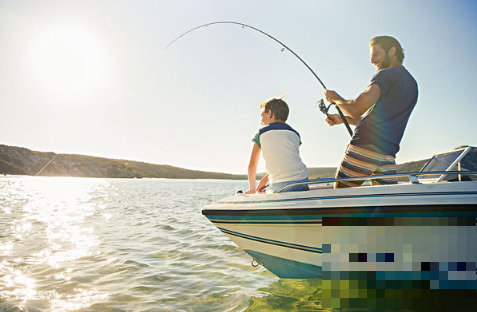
[(66, 61), (20, 286), (80, 299)]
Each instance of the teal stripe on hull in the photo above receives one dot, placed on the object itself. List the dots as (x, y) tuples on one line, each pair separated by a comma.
[(285, 268), (266, 219), (271, 241), (317, 219)]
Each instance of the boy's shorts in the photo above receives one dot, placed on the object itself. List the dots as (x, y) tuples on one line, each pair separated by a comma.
[(297, 188), (366, 160)]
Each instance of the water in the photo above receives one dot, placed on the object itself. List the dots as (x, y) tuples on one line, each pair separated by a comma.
[(129, 245), (78, 244)]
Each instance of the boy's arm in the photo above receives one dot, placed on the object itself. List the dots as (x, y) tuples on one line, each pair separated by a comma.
[(252, 168)]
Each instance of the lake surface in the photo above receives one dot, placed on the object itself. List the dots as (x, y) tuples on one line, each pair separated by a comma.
[(129, 245), (80, 244)]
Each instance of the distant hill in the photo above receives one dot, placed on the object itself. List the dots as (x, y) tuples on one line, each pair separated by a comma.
[(325, 172), (22, 161), (412, 166)]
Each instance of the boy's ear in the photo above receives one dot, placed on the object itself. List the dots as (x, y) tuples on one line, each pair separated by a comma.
[(271, 113)]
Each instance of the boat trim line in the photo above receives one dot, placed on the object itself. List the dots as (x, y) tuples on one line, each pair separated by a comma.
[(271, 241)]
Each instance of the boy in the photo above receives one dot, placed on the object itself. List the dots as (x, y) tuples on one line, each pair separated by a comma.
[(280, 144)]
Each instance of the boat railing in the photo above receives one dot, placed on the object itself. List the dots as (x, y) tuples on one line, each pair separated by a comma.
[(412, 176)]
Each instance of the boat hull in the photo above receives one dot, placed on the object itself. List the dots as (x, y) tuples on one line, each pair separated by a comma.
[(275, 247), (287, 232)]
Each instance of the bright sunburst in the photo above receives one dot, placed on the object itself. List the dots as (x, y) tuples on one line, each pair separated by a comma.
[(66, 61)]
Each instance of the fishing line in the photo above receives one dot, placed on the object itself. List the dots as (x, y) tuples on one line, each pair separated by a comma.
[(101, 111), (283, 47), (305, 78), (118, 94), (256, 29), (46, 165), (290, 61)]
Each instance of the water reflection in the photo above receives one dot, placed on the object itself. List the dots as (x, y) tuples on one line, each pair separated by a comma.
[(46, 232), (120, 245)]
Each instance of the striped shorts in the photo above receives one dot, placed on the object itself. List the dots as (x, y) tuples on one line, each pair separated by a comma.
[(365, 160)]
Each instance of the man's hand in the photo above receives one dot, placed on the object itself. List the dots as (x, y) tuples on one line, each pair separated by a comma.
[(333, 97), (334, 119)]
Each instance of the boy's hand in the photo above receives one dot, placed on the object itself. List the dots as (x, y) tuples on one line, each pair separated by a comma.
[(262, 185), (261, 189)]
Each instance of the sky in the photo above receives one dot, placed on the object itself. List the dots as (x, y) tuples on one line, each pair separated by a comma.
[(93, 77)]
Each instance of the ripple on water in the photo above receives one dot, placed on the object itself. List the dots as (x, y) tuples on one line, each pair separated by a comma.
[(292, 295), (119, 245)]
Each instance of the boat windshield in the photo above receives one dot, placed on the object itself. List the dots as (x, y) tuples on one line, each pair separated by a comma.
[(442, 162)]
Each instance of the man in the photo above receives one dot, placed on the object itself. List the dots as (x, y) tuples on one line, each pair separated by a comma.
[(380, 113)]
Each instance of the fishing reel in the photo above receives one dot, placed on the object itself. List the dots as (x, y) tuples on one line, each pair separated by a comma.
[(323, 108)]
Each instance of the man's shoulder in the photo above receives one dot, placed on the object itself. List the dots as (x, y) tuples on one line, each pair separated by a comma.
[(391, 74), (396, 70), (390, 71)]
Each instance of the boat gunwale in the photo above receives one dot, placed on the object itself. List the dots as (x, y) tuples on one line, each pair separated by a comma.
[(339, 210), (411, 175), (373, 195)]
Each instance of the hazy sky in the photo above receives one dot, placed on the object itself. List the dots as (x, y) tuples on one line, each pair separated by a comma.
[(93, 77)]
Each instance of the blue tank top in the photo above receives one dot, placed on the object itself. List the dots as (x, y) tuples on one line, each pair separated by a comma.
[(386, 121)]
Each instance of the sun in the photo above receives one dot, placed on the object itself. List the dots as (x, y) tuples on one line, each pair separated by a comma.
[(66, 61)]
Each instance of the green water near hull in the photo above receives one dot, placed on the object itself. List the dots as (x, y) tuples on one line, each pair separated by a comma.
[(289, 295)]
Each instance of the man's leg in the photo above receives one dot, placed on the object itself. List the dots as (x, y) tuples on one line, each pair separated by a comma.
[(388, 166), (357, 162)]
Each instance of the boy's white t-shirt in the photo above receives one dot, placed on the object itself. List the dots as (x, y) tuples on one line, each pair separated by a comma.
[(280, 145)]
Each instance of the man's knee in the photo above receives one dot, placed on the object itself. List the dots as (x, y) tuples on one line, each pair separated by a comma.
[(339, 185), (348, 184)]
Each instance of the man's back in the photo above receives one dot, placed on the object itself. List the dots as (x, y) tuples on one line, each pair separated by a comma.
[(386, 121)]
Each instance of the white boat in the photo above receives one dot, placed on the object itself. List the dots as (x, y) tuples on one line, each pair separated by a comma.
[(390, 228)]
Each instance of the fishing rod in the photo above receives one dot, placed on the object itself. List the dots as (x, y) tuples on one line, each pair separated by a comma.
[(324, 110)]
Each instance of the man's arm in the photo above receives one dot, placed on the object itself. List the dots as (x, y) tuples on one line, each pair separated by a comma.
[(355, 108), (252, 168)]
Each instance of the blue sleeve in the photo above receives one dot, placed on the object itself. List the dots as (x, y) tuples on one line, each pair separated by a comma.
[(382, 80), (256, 139)]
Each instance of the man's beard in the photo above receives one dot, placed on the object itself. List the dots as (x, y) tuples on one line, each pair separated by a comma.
[(386, 62)]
